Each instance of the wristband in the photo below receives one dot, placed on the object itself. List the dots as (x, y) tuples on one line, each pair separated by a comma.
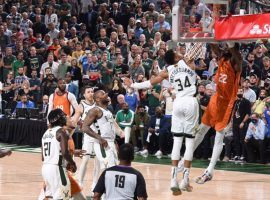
[(142, 85)]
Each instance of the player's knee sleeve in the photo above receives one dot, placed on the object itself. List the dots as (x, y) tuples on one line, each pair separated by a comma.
[(177, 144), (219, 138), (189, 149), (203, 129)]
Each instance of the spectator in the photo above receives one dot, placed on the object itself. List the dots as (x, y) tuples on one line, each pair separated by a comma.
[(136, 68), (120, 101), (158, 134), (34, 61), (117, 89), (7, 90), (71, 86), (151, 13), (15, 16), (8, 59), (35, 84), (106, 68), (50, 16), (53, 33), (48, 85), (141, 120), (49, 64), (242, 111), (138, 30), (4, 39), (254, 81), (125, 118), (24, 103), (20, 78), (249, 94), (63, 65), (19, 62), (121, 70), (131, 99), (39, 44), (255, 139), (249, 67), (259, 104), (266, 68)]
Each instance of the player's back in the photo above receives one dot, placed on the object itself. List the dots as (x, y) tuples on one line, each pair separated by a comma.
[(227, 80), (183, 79), (51, 149)]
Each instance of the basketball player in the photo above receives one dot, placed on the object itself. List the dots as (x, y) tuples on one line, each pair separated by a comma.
[(56, 157), (5, 152), (106, 130), (122, 181), (88, 142), (185, 113), (62, 99), (219, 109)]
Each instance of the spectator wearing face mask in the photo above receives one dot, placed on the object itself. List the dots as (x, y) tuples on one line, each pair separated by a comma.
[(254, 139), (259, 104), (254, 82), (241, 113)]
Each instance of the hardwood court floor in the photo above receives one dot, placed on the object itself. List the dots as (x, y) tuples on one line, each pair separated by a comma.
[(20, 178)]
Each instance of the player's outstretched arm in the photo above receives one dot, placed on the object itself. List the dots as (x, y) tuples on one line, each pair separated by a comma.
[(215, 48), (236, 56), (93, 115), (147, 84)]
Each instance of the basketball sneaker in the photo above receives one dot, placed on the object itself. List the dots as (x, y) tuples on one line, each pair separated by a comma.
[(180, 166), (204, 178), (158, 154), (144, 153), (185, 186), (175, 187)]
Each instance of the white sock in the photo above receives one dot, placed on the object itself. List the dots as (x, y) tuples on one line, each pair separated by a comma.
[(218, 146), (83, 169), (203, 129), (186, 174), (96, 172), (174, 172), (127, 134)]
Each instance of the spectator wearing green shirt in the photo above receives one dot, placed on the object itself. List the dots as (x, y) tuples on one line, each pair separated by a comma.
[(146, 63), (153, 98), (106, 71), (8, 59), (63, 66), (124, 119), (19, 62), (141, 120)]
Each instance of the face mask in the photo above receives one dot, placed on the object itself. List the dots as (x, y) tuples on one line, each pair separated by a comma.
[(266, 84), (141, 113), (201, 93), (158, 115), (20, 74), (240, 96), (254, 121), (262, 97)]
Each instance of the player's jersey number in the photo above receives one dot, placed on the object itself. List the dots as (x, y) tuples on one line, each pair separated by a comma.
[(60, 107), (223, 78), (120, 181), (47, 148), (180, 86)]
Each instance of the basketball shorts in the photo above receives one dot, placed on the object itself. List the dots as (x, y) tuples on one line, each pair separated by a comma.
[(218, 113), (107, 157), (88, 144), (185, 116), (56, 181)]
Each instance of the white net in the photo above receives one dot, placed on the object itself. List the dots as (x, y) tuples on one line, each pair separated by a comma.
[(195, 50)]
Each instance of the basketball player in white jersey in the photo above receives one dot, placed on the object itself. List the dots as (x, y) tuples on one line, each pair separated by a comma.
[(105, 132), (56, 157), (185, 113), (88, 142)]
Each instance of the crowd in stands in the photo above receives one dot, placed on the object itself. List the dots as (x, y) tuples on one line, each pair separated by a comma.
[(100, 42)]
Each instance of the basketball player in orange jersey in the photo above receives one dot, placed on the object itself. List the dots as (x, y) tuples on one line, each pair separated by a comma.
[(63, 99), (219, 109)]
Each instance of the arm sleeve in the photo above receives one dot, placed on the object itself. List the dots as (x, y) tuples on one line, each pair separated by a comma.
[(73, 101), (141, 187), (100, 186)]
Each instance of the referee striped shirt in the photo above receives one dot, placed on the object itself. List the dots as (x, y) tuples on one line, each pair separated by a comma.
[(121, 183)]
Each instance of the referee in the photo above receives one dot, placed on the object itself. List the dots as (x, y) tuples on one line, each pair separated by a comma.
[(122, 182)]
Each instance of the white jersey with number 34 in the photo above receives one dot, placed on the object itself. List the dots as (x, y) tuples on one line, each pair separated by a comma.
[(182, 78)]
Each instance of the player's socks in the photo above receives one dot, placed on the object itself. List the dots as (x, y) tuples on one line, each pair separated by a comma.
[(218, 146), (127, 134), (83, 169), (174, 182)]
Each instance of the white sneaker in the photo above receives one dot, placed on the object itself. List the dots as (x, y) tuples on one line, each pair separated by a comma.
[(175, 187), (204, 178), (185, 186), (180, 166), (159, 153), (144, 153)]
